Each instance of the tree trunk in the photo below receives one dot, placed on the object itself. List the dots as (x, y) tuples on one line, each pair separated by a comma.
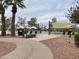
[(3, 33), (13, 25)]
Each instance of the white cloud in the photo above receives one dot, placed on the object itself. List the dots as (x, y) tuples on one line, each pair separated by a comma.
[(44, 10)]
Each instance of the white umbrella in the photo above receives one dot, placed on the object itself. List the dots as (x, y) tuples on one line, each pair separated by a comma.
[(28, 27), (20, 27), (33, 27)]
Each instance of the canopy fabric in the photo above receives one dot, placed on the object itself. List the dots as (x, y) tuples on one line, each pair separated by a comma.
[(62, 25), (33, 27), (28, 27)]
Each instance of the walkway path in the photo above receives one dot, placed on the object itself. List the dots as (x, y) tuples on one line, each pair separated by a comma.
[(41, 37), (27, 49)]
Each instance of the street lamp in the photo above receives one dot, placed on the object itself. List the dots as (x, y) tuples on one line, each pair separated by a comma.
[(49, 28)]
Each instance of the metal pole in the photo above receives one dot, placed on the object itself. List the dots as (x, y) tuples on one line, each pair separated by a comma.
[(49, 28)]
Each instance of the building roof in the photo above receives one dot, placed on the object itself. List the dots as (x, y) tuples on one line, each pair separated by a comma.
[(62, 25)]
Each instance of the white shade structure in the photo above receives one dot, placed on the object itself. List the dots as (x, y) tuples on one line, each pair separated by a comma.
[(28, 27), (20, 27), (33, 27)]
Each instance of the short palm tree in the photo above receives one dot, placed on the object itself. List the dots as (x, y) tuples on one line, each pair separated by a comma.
[(15, 4)]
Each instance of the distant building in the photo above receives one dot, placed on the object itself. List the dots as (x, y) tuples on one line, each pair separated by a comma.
[(62, 26)]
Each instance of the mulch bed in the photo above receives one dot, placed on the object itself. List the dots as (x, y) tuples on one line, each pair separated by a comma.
[(62, 47), (6, 47)]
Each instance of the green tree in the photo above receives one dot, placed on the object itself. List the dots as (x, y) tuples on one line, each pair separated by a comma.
[(21, 21), (54, 20), (73, 13), (15, 4), (32, 22)]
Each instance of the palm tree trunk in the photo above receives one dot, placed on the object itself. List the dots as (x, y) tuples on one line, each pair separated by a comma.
[(3, 33), (13, 25)]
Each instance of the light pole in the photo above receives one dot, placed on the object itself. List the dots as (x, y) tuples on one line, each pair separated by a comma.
[(49, 28)]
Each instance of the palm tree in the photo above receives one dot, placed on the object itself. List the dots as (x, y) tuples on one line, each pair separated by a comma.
[(2, 8), (15, 4), (3, 33)]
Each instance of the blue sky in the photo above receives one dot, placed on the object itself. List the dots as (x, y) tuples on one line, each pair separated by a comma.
[(44, 10)]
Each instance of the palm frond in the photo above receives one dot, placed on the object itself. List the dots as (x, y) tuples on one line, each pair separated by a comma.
[(19, 3), (9, 2)]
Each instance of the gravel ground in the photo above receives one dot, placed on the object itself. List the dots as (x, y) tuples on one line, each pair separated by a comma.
[(6, 47), (62, 47)]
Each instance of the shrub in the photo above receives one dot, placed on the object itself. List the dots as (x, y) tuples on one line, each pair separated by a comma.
[(77, 36)]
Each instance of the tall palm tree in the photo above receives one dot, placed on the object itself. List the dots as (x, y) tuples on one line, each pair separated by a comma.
[(3, 33), (2, 7), (15, 4)]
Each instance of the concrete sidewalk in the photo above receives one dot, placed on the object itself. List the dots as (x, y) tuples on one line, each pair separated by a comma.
[(27, 49), (41, 37)]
